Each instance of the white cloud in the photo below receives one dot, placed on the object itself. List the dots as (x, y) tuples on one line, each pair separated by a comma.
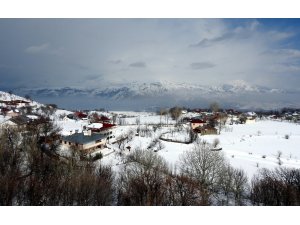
[(37, 48)]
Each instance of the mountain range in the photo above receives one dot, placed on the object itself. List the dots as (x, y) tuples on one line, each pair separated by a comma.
[(152, 89), (237, 94)]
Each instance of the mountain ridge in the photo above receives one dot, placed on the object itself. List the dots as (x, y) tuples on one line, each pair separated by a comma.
[(150, 89), (140, 95)]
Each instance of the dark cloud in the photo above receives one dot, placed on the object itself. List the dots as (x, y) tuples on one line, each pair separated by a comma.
[(201, 65), (92, 77), (118, 61), (208, 42), (138, 64)]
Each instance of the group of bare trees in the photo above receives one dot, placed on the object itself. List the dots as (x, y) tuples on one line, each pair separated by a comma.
[(174, 112), (30, 176), (276, 187), (217, 181), (203, 177)]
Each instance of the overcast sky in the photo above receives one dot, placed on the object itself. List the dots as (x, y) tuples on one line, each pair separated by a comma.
[(94, 52)]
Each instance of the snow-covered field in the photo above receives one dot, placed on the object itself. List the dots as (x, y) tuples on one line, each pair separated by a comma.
[(246, 146), (254, 146)]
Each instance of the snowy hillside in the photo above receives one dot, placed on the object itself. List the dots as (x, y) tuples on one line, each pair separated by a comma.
[(4, 96)]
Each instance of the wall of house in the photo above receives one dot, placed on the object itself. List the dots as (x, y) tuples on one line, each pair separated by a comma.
[(86, 147), (249, 121), (12, 114), (209, 132), (94, 145), (195, 125)]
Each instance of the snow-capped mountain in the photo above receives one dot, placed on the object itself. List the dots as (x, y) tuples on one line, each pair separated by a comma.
[(137, 95), (154, 89)]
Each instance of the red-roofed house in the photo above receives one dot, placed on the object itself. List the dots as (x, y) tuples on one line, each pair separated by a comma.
[(102, 128), (80, 115), (104, 119), (197, 123)]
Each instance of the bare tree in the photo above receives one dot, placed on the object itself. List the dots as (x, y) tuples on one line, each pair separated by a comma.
[(175, 113), (216, 142), (214, 107), (204, 166), (142, 179), (163, 112), (239, 186)]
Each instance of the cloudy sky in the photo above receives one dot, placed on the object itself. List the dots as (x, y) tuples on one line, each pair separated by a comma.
[(95, 52)]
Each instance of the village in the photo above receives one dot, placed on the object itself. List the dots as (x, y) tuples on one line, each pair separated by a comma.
[(103, 133), (248, 141)]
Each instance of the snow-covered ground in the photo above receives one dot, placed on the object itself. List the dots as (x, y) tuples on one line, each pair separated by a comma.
[(70, 126), (130, 118), (246, 146), (254, 146)]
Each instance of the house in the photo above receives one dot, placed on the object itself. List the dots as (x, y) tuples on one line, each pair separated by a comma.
[(18, 103), (85, 141), (13, 113), (233, 119), (80, 115), (4, 110), (104, 119), (184, 111), (250, 117), (206, 130), (105, 129), (17, 122), (70, 116), (250, 120), (296, 116), (195, 122)]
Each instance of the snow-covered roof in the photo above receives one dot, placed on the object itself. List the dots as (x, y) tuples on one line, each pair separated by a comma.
[(33, 117), (251, 113), (95, 125)]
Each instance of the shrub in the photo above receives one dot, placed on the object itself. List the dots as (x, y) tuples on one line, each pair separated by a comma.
[(98, 156)]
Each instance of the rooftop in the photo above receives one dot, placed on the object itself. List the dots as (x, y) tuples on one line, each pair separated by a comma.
[(80, 138)]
